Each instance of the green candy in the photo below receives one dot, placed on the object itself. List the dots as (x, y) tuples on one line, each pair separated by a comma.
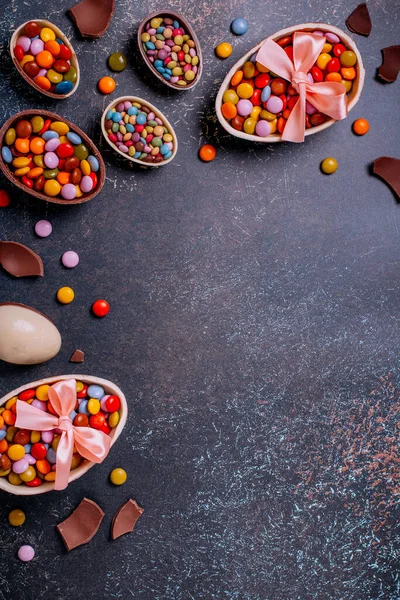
[(71, 75), (157, 142), (38, 160), (50, 173), (81, 151), (117, 61), (348, 59), (152, 123), (115, 127)]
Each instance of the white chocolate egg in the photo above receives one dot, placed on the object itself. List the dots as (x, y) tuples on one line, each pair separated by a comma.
[(26, 336)]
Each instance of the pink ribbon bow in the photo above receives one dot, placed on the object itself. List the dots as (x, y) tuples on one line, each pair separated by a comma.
[(92, 444), (328, 97)]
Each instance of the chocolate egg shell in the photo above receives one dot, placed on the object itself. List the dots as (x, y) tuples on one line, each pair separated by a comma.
[(109, 388), (73, 60), (27, 337), (353, 96)]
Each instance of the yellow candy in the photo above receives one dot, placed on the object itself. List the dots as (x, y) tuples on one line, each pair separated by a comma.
[(145, 37), (16, 452), (347, 84), (93, 406), (65, 295), (113, 419), (223, 50), (60, 127), (11, 402), (37, 124), (327, 47), (10, 136), (230, 96), (42, 392), (76, 461), (79, 192), (11, 431), (21, 172), (35, 437), (47, 34), (63, 139), (261, 68), (155, 22), (189, 75), (255, 113), (16, 517), (5, 473), (249, 125), (79, 386), (323, 60), (85, 167), (273, 125), (50, 476), (14, 479), (268, 116), (244, 90), (27, 58), (29, 474), (55, 442), (249, 69), (53, 76), (167, 137), (118, 476), (21, 161), (51, 187)]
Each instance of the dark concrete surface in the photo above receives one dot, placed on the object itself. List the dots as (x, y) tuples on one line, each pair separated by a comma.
[(253, 328)]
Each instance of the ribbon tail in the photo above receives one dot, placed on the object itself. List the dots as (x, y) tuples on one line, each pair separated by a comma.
[(92, 444), (64, 458), (32, 418), (294, 128), (329, 98)]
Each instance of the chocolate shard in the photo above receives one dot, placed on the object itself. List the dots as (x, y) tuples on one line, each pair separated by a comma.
[(82, 525), (20, 261), (125, 518), (359, 21), (390, 66), (77, 357), (389, 170), (92, 17)]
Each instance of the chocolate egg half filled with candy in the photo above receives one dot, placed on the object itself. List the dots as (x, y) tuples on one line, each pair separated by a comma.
[(27, 337)]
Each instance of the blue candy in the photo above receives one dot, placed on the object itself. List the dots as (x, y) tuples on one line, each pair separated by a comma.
[(72, 415), (83, 409), (166, 76), (137, 154), (51, 456), (164, 149), (93, 162), (74, 138), (95, 391), (150, 45), (116, 117), (48, 135), (160, 69), (160, 29), (265, 94), (59, 41), (166, 156), (132, 111), (158, 63), (28, 448), (64, 87), (141, 119), (176, 25), (130, 128), (239, 26), (109, 114), (3, 434), (8, 158)]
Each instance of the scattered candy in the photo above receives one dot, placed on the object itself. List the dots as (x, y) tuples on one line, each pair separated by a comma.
[(117, 61), (4, 198), (26, 553), (125, 518), (43, 228), (223, 50), (65, 295), (70, 259), (239, 26), (361, 126), (118, 476), (51, 159), (106, 85), (45, 59), (82, 525), (100, 308), (16, 517), (257, 95), (207, 153), (136, 131), (171, 51), (329, 166)]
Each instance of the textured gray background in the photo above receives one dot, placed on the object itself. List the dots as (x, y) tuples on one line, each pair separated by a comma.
[(253, 327)]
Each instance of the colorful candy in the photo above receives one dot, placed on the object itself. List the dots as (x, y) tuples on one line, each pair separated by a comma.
[(223, 50), (16, 517), (43, 228), (207, 153), (171, 51), (70, 259), (106, 85), (239, 26), (26, 553), (259, 96), (49, 158), (45, 59), (117, 61), (329, 165), (136, 131), (118, 476), (4, 198), (65, 295), (100, 308), (29, 457), (361, 126)]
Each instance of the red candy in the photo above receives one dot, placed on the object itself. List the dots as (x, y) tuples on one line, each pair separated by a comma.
[(18, 52), (65, 53), (113, 404), (97, 421), (39, 451), (338, 49), (317, 74), (93, 177), (26, 395), (34, 483), (262, 80), (100, 308), (45, 127), (65, 150), (83, 392), (333, 65), (256, 98)]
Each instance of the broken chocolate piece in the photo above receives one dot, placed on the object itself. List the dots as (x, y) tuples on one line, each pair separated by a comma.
[(359, 21), (389, 170), (92, 17), (77, 357), (125, 518), (19, 260), (390, 66), (82, 525)]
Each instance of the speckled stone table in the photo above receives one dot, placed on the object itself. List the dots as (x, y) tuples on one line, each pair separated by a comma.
[(254, 328)]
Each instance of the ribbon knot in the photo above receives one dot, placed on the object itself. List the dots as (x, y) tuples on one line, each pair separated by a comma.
[(92, 444), (328, 97)]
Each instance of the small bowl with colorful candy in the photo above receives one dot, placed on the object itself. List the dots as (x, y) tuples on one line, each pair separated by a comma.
[(269, 97), (54, 430), (170, 49), (45, 58), (50, 158), (139, 132)]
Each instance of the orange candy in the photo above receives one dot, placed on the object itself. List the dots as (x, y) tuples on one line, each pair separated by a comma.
[(237, 78), (9, 417), (207, 153), (33, 173), (229, 110), (43, 82), (53, 47), (348, 73), (1, 421), (281, 124), (3, 446), (37, 145), (334, 77), (43, 466), (44, 59), (63, 177), (22, 145), (361, 126), (106, 85)]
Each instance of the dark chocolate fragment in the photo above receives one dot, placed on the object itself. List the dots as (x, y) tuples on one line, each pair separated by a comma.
[(389, 170), (92, 17), (390, 66), (125, 518), (359, 21), (82, 525), (77, 357), (19, 260)]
